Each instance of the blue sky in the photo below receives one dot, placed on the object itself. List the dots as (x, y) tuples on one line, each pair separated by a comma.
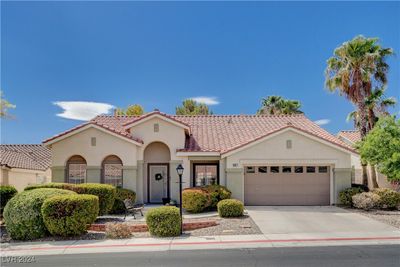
[(159, 53)]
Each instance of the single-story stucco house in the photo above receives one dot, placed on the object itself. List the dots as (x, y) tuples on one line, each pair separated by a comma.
[(263, 160), (22, 165), (351, 137)]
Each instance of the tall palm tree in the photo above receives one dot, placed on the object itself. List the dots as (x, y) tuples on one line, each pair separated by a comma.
[(277, 105), (354, 69)]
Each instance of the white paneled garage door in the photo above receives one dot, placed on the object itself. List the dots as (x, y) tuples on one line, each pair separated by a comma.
[(287, 185)]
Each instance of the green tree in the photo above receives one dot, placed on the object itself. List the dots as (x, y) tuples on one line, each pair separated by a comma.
[(5, 106), (191, 107), (377, 106), (132, 110), (381, 147), (277, 105), (355, 68)]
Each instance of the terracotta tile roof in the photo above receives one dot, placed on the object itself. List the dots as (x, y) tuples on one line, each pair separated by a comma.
[(351, 135), (224, 133), (221, 133), (32, 157)]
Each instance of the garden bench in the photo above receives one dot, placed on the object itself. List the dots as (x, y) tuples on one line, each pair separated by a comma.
[(131, 208)]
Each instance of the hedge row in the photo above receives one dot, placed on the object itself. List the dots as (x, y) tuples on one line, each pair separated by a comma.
[(6, 193), (68, 215), (22, 214), (198, 199), (105, 193)]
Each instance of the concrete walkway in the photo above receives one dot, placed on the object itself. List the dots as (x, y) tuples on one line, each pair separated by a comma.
[(192, 243)]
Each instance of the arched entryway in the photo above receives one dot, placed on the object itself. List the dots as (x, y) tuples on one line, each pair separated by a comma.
[(156, 158)]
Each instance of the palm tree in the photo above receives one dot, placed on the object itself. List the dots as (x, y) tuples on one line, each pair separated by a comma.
[(277, 105), (355, 67), (353, 70)]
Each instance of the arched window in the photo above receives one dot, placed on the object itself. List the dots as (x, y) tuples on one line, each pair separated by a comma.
[(112, 171), (76, 170)]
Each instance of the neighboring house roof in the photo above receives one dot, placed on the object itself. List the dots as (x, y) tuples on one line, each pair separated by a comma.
[(31, 157), (352, 136), (222, 133)]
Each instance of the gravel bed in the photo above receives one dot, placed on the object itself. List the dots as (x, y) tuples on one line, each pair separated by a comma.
[(226, 226), (391, 217)]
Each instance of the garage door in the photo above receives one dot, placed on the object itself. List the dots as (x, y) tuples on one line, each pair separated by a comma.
[(287, 185)]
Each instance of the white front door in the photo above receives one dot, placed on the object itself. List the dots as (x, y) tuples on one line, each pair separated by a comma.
[(158, 182)]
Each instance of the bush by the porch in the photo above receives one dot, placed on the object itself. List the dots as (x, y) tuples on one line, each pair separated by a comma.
[(195, 199), (68, 215), (390, 199), (164, 221), (217, 193), (346, 195), (366, 201), (6, 193), (230, 208), (121, 195), (23, 216), (106, 194)]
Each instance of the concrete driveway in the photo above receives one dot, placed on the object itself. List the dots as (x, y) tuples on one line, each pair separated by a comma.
[(316, 221)]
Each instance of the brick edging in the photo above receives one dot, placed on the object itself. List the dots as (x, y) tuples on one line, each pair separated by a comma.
[(143, 227)]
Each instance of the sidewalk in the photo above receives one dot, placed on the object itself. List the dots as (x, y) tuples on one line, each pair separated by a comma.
[(198, 243)]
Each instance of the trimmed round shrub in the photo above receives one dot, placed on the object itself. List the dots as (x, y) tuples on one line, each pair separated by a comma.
[(6, 193), (217, 193), (346, 195), (164, 221), (195, 199), (64, 186), (23, 216), (366, 201), (68, 215), (106, 194), (121, 195), (390, 199), (230, 208)]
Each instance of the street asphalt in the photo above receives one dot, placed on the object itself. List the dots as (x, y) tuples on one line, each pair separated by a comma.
[(365, 255)]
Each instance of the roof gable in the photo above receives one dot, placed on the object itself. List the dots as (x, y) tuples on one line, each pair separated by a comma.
[(156, 114)]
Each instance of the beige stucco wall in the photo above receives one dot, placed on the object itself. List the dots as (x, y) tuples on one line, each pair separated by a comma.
[(106, 144), (4, 175), (171, 135), (21, 178), (304, 150)]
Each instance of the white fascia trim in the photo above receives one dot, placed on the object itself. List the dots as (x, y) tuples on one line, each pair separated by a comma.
[(159, 117), (283, 131), (204, 154), (87, 127)]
